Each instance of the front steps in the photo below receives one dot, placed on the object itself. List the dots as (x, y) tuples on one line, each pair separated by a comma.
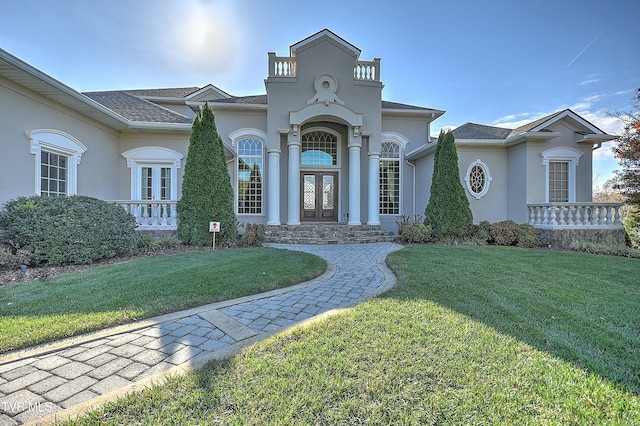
[(327, 233)]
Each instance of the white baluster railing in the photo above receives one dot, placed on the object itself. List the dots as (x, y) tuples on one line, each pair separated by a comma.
[(573, 215), (281, 66), (367, 70), (152, 215)]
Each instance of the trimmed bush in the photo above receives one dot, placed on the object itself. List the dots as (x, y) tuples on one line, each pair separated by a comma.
[(416, 233), (507, 233), (253, 235), (207, 194), (68, 230), (448, 211)]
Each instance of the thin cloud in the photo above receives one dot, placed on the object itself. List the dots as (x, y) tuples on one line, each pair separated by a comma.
[(585, 48), (590, 81)]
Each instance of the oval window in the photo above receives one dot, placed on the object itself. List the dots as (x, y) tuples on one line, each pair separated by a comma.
[(478, 179)]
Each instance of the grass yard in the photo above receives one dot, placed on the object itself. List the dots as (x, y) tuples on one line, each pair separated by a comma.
[(75, 303), (469, 335)]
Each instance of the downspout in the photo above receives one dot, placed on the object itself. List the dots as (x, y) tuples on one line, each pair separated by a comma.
[(413, 186)]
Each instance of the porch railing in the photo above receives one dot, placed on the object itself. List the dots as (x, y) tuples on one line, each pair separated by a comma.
[(152, 215), (574, 215)]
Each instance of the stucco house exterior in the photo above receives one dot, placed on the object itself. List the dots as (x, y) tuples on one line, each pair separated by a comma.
[(319, 148)]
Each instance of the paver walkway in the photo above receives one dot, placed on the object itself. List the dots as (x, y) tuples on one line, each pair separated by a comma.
[(66, 378)]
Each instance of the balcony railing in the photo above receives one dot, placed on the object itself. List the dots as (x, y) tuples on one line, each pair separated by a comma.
[(152, 215), (285, 66), (575, 215)]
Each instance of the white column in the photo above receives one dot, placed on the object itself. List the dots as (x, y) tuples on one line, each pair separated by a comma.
[(273, 188), (374, 189), (293, 187), (354, 184)]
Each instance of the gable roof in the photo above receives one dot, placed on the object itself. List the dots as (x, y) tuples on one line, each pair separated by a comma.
[(325, 34), (541, 123)]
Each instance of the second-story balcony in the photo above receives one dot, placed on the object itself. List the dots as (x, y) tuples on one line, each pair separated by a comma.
[(285, 66)]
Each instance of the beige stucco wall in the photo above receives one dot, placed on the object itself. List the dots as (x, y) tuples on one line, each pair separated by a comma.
[(22, 110), (492, 206)]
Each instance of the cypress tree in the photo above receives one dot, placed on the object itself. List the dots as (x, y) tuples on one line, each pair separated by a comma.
[(448, 210), (207, 195)]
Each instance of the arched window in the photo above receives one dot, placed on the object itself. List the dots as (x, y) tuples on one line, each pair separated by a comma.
[(390, 178), (319, 148), (57, 155), (250, 168), (478, 179)]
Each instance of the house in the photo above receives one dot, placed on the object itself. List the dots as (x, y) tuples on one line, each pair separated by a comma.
[(319, 150)]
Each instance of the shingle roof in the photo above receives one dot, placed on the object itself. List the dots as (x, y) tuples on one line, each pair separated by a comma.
[(527, 127), (134, 108), (480, 131), (252, 100), (175, 92), (396, 105)]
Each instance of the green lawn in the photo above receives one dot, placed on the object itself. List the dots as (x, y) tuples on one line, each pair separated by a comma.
[(75, 303), (469, 335)]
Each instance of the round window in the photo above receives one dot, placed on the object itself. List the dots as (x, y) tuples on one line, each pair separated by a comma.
[(478, 179)]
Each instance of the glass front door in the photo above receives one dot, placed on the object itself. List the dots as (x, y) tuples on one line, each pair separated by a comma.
[(319, 196)]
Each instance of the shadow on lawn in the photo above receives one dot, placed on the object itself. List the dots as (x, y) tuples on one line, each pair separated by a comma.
[(590, 318)]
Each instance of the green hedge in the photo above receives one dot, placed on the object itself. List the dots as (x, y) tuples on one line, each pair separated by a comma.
[(68, 230), (508, 233)]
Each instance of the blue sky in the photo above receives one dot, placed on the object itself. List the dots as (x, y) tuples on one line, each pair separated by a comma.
[(495, 62)]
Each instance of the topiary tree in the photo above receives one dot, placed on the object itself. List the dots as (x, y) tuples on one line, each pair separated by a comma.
[(207, 194), (448, 210)]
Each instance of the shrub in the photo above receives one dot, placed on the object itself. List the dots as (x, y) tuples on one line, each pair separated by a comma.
[(207, 194), (416, 233), (253, 235), (448, 210), (507, 233), (594, 248), (146, 243), (169, 243), (63, 230), (10, 260)]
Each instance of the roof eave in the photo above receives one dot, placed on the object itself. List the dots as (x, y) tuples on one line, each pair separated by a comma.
[(595, 138), (531, 136), (432, 114), (34, 79)]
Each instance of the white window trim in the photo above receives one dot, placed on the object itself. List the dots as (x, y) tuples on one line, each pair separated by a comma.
[(60, 143), (487, 179), (561, 153), (150, 156), (236, 137), (398, 139)]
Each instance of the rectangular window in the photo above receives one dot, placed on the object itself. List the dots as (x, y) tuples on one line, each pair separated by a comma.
[(558, 181), (53, 174), (250, 172), (389, 187)]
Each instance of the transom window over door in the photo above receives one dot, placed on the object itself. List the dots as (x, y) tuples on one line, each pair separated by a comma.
[(250, 176), (390, 178), (319, 148)]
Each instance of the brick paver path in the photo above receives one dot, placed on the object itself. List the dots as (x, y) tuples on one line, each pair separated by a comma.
[(66, 378)]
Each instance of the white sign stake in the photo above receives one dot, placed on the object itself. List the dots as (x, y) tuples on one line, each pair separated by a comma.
[(215, 228)]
